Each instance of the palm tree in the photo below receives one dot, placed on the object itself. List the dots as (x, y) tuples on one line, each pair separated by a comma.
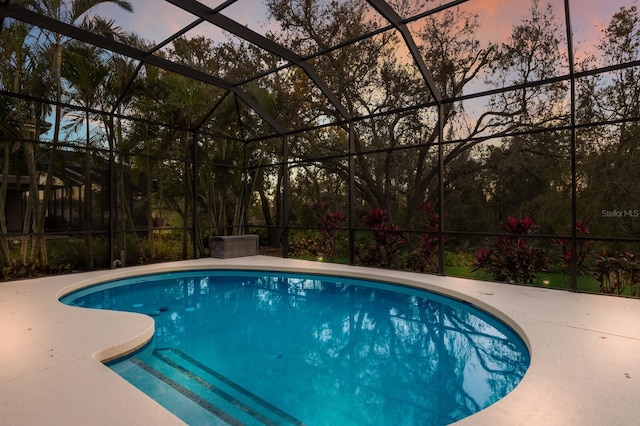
[(70, 12), (23, 71), (85, 71), (123, 86), (13, 51)]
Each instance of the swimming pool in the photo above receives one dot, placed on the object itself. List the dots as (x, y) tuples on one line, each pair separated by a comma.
[(277, 348)]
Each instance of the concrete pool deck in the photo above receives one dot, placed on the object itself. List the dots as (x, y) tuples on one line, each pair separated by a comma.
[(585, 349)]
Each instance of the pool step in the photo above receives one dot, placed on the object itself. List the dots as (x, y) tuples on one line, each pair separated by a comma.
[(212, 391)]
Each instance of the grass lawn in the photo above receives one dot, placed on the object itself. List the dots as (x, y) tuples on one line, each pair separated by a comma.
[(586, 283)]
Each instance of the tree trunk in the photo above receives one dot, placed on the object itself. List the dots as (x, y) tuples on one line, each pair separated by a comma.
[(150, 227), (31, 218), (88, 237), (268, 220), (5, 253), (26, 229), (39, 249), (126, 216)]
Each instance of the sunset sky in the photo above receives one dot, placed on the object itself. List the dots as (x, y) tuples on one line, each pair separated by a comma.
[(156, 20)]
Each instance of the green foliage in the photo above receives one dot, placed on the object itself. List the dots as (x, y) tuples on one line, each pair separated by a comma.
[(69, 254), (261, 232), (306, 245), (100, 252), (66, 253), (168, 246), (458, 259)]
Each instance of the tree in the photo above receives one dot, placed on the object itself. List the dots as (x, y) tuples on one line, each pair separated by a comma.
[(83, 68), (14, 56), (70, 12), (25, 71), (371, 78), (532, 54), (609, 156), (529, 173), (125, 84)]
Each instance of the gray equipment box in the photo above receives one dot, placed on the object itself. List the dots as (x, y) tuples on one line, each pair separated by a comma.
[(233, 246)]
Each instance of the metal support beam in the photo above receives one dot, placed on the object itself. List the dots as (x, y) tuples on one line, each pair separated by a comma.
[(396, 20), (160, 45), (114, 46), (441, 201), (285, 197), (221, 21), (573, 144), (392, 16), (352, 193), (194, 189), (112, 193)]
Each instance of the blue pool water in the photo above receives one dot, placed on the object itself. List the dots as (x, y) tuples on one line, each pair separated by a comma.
[(239, 347)]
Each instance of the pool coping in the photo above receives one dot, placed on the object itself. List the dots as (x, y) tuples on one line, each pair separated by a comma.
[(585, 349)]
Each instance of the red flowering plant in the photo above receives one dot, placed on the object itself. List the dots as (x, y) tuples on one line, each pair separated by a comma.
[(518, 226), (510, 257), (329, 224), (566, 248), (424, 257), (378, 220), (388, 240)]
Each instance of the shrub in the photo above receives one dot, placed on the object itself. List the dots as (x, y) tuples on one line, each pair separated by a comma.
[(66, 253), (617, 272), (168, 247), (387, 243), (566, 250), (424, 258), (509, 257), (306, 245), (329, 224)]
